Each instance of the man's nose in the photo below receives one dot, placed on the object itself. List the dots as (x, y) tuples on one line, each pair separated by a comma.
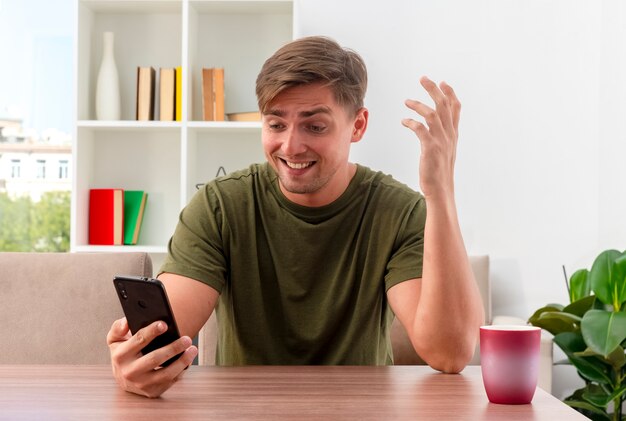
[(292, 143)]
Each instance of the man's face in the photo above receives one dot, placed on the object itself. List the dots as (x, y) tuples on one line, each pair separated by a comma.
[(306, 138)]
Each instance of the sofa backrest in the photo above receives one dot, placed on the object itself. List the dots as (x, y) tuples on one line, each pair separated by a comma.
[(56, 308)]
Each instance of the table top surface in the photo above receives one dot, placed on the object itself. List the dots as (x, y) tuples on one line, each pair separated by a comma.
[(63, 392)]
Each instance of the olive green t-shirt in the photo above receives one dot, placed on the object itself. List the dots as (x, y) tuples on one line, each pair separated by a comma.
[(300, 285)]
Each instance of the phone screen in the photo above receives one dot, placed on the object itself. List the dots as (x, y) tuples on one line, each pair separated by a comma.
[(144, 301)]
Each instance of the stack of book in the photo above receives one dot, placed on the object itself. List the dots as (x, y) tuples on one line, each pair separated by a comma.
[(115, 216), (170, 94)]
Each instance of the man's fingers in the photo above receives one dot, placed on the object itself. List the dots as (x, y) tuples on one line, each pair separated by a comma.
[(159, 356), (430, 116), (154, 382), (420, 130), (119, 331), (455, 104), (143, 337), (177, 368), (443, 104)]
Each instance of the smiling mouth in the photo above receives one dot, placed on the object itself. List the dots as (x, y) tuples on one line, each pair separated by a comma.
[(298, 165)]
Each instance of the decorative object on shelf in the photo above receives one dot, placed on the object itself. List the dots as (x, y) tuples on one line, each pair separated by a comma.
[(146, 78), (247, 116), (108, 87), (591, 330), (220, 171), (213, 94)]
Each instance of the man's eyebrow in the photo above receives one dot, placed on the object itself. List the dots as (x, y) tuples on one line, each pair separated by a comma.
[(309, 113), (276, 112), (314, 111)]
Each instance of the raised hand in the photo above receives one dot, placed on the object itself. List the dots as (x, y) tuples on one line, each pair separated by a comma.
[(438, 138)]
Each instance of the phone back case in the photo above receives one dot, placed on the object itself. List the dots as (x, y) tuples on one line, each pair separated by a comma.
[(145, 301)]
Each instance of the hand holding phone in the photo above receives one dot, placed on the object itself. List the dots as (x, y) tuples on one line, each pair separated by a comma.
[(144, 301)]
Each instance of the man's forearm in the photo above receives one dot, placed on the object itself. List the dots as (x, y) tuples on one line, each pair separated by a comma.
[(450, 310)]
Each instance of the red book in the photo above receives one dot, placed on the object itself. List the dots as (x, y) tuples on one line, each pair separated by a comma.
[(106, 216)]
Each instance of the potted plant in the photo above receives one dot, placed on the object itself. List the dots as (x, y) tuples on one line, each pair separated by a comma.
[(591, 331)]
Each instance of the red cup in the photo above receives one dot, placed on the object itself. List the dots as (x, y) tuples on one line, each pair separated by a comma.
[(509, 360)]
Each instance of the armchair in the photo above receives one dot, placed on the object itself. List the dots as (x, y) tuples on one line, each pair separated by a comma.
[(56, 308)]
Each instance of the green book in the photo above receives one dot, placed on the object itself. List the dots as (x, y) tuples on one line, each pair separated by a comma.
[(134, 206)]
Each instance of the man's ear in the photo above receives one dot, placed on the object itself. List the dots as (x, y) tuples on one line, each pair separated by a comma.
[(360, 124)]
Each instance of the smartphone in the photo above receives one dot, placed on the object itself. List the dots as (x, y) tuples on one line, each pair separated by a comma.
[(144, 301)]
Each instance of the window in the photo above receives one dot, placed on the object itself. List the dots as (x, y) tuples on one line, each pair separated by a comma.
[(16, 166), (36, 94), (63, 169), (41, 168)]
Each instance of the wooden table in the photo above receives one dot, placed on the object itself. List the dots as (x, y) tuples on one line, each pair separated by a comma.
[(50, 392)]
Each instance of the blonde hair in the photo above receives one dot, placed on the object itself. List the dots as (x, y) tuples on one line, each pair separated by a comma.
[(311, 60)]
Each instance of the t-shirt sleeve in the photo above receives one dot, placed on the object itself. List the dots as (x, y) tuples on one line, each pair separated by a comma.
[(406, 262), (196, 249)]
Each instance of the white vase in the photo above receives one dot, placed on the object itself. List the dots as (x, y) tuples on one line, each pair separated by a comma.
[(108, 87)]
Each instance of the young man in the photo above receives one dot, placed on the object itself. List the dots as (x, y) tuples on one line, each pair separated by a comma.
[(308, 255)]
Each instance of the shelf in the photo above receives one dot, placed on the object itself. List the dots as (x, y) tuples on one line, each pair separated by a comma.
[(122, 249), (225, 126), (129, 125), (168, 158), (132, 7), (259, 7)]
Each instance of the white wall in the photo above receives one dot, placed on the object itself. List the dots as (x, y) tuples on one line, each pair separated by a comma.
[(542, 150)]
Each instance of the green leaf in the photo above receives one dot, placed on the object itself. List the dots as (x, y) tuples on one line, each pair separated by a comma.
[(557, 322), (596, 396), (591, 411), (566, 317), (570, 342), (580, 307), (587, 353), (589, 368), (603, 331), (601, 275), (617, 358), (619, 279), (587, 406), (552, 325), (549, 307), (579, 285), (576, 400)]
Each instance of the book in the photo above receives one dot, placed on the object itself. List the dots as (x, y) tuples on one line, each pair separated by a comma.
[(248, 116), (167, 94), (208, 112), (106, 216), (218, 91), (145, 93), (134, 207), (179, 93), (213, 94)]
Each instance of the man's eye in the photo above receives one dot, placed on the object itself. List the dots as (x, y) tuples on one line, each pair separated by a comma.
[(275, 126), (317, 129)]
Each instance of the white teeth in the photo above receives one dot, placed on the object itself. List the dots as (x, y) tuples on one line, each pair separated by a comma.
[(298, 165)]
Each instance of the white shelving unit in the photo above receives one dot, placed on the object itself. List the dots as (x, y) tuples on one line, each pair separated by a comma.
[(168, 159)]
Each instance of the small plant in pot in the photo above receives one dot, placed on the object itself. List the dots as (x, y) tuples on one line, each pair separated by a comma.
[(591, 331)]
